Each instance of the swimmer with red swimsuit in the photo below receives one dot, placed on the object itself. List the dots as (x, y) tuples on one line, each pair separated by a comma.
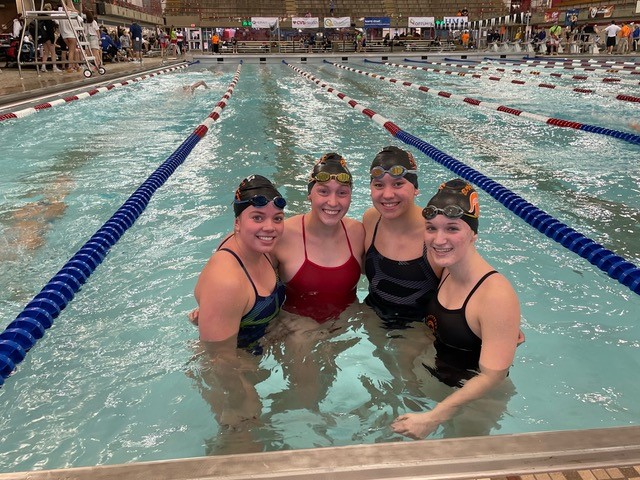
[(320, 251)]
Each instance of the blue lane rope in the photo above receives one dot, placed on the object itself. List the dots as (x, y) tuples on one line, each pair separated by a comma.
[(613, 265), (38, 315)]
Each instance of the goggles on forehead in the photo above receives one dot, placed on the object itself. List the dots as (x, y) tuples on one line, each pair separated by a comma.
[(450, 211), (261, 201), (396, 171), (342, 177)]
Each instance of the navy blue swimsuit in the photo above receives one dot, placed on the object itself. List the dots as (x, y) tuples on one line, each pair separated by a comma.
[(253, 324), (398, 289)]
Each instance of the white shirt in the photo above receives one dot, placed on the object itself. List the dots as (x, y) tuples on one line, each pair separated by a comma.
[(612, 30)]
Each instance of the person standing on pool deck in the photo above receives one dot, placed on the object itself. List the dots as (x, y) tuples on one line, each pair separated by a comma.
[(239, 291), (475, 314), (400, 270), (320, 252), (612, 32), (136, 37)]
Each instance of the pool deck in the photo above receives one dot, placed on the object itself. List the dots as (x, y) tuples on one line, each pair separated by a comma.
[(611, 453)]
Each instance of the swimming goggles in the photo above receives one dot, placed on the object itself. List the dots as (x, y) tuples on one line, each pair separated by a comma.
[(261, 201), (450, 211), (396, 171), (342, 177)]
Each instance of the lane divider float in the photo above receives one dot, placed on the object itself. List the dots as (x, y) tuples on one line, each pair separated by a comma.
[(85, 94), (38, 315), (619, 96), (555, 122), (579, 69), (613, 265)]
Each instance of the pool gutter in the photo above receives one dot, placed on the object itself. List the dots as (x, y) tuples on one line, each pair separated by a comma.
[(474, 457)]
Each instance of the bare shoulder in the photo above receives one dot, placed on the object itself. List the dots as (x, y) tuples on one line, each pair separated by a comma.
[(369, 218), (498, 296), (222, 272)]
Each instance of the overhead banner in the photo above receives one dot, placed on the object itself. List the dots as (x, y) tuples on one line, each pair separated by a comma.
[(337, 22), (604, 11), (571, 19), (305, 22), (456, 21), (422, 22), (377, 22), (264, 22)]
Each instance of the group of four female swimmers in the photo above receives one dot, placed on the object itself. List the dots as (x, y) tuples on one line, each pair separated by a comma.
[(422, 265)]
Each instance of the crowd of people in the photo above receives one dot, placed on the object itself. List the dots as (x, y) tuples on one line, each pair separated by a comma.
[(300, 275)]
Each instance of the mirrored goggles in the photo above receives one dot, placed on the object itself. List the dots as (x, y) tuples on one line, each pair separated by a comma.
[(342, 177), (396, 171), (261, 201), (450, 211)]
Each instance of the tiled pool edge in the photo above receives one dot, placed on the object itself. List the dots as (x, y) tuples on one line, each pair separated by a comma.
[(475, 457)]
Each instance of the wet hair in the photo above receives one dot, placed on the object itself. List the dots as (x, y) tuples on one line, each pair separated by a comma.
[(460, 193), (332, 163), (251, 186), (390, 156)]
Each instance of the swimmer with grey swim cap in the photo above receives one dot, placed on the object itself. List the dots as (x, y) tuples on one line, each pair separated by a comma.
[(395, 162), (331, 166), (258, 191), (455, 199)]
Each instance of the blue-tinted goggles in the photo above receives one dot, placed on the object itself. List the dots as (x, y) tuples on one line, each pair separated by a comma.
[(396, 171), (261, 201)]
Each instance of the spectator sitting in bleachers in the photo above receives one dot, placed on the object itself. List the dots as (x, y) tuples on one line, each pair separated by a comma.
[(109, 48)]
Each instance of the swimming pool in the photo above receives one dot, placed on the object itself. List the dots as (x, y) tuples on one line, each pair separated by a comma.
[(113, 380)]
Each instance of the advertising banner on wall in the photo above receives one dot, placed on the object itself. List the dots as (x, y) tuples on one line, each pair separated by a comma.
[(456, 21), (337, 22), (422, 22), (571, 19), (604, 11), (377, 22), (551, 16), (305, 22), (264, 22)]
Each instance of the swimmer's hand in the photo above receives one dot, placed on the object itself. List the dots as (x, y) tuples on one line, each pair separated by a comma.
[(194, 315), (416, 425)]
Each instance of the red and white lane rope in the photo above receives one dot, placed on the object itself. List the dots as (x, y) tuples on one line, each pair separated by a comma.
[(617, 71), (624, 98), (590, 62), (85, 94), (534, 72), (556, 122)]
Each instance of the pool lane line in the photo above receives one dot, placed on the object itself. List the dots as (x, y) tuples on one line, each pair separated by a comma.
[(555, 122), (550, 86), (577, 69), (612, 264), (531, 72), (86, 93), (38, 315), (577, 61)]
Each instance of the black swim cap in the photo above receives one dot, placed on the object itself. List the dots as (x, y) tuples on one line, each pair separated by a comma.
[(333, 164), (460, 193), (250, 187), (391, 156)]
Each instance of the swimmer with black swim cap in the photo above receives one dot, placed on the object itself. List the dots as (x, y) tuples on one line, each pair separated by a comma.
[(455, 199), (395, 162), (256, 191), (331, 166)]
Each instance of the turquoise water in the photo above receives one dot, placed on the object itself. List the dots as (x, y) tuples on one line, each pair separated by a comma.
[(114, 380)]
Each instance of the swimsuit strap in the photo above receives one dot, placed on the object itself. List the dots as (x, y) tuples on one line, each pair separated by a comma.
[(304, 240), (347, 235), (473, 290), (243, 268), (375, 230), (443, 280)]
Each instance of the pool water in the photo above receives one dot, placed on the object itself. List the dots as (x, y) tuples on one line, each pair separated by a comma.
[(118, 377)]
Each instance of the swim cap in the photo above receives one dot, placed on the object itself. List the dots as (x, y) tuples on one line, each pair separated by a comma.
[(391, 156), (460, 193), (333, 164), (250, 187)]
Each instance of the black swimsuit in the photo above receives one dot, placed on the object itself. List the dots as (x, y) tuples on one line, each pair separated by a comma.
[(398, 289), (457, 347)]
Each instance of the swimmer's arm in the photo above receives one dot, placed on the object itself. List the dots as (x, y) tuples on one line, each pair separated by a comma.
[(369, 220), (221, 299)]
